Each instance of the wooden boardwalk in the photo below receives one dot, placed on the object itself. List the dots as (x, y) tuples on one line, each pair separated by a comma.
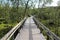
[(30, 31)]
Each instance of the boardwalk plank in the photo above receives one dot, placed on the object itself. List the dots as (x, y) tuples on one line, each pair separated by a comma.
[(30, 31)]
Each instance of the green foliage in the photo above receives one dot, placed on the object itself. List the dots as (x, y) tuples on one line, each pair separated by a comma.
[(9, 17), (13, 11), (4, 28), (50, 17)]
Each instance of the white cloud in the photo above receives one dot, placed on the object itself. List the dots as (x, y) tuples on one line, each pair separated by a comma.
[(54, 3)]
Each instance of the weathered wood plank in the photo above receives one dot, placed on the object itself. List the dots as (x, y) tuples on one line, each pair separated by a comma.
[(30, 31), (48, 32)]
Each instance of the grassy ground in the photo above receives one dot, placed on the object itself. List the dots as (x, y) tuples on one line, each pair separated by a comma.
[(4, 28)]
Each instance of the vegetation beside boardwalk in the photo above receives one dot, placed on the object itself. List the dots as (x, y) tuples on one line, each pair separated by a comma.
[(50, 17), (9, 17), (13, 11)]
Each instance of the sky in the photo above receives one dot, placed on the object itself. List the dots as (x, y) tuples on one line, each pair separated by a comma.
[(54, 3)]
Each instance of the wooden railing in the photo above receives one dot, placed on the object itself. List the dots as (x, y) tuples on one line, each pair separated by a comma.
[(11, 35), (50, 35)]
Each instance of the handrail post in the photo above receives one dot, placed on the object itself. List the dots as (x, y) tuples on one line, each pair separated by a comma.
[(41, 30), (14, 31), (15, 34), (50, 35), (13, 37)]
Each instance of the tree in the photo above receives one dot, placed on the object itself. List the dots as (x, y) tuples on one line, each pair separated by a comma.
[(58, 3)]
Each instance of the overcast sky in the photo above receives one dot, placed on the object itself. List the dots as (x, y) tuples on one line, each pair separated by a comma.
[(54, 3)]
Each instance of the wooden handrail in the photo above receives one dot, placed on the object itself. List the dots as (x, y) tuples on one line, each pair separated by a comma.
[(13, 30), (49, 33)]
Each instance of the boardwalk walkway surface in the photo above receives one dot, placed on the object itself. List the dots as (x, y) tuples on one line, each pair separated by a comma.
[(30, 31)]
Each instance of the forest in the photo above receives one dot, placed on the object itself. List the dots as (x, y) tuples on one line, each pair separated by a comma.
[(13, 11)]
